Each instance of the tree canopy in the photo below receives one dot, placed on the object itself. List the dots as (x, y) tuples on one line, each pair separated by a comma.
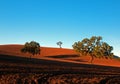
[(93, 47), (31, 47)]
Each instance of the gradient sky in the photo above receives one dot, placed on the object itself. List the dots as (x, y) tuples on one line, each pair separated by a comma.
[(49, 21)]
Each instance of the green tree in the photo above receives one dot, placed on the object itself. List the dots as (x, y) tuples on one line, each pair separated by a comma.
[(59, 44), (107, 49), (31, 47), (93, 47)]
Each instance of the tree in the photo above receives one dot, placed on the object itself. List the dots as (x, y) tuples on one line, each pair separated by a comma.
[(59, 44), (93, 47), (106, 49), (31, 47)]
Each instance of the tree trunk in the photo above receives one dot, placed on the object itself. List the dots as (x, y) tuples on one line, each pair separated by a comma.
[(60, 46), (92, 59), (30, 57)]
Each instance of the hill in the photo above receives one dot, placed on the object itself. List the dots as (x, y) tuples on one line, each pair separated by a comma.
[(45, 51), (58, 54), (55, 66)]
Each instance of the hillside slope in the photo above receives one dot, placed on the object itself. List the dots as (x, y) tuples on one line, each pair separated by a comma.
[(45, 51), (58, 54)]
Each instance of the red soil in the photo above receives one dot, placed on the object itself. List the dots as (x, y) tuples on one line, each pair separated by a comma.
[(45, 51), (14, 50)]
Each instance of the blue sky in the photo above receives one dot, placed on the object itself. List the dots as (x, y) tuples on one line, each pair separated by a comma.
[(49, 21)]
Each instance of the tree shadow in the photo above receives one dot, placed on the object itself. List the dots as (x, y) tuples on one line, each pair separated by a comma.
[(62, 56)]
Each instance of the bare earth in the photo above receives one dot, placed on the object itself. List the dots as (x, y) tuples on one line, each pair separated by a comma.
[(66, 55), (55, 66)]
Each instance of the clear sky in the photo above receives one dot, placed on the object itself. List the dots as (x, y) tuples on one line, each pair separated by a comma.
[(49, 21)]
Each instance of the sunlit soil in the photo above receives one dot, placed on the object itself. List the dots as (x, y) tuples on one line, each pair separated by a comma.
[(55, 66)]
